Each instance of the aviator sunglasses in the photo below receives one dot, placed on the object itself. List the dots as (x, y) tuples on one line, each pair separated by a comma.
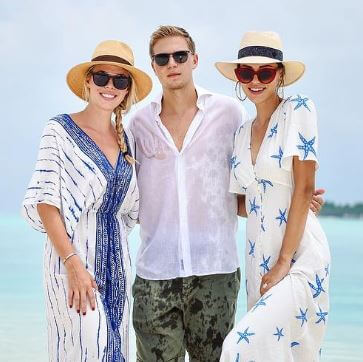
[(119, 81), (162, 59), (265, 75)]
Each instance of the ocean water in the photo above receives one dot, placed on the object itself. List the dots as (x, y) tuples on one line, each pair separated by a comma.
[(22, 317)]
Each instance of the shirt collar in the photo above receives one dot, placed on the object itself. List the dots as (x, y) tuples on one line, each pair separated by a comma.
[(202, 95)]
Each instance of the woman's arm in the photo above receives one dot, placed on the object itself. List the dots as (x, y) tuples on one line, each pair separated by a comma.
[(80, 282), (304, 179), (241, 205)]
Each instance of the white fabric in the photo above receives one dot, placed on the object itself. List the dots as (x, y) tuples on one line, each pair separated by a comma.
[(268, 187), (187, 216), (80, 181)]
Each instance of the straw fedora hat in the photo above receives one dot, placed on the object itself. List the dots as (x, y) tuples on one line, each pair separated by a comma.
[(262, 47), (111, 52)]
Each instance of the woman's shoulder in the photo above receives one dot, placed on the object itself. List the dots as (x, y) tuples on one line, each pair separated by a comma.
[(62, 132), (242, 131), (299, 102), (57, 124)]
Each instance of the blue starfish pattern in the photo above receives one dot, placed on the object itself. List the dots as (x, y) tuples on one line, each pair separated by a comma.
[(279, 156), (262, 221), (278, 333), (300, 102), (264, 183), (302, 316), (237, 358), (253, 206), (273, 131), (252, 248), (319, 286), (245, 335), (327, 270), (282, 217), (264, 264), (233, 163), (246, 282), (293, 344), (307, 146), (321, 316), (261, 301)]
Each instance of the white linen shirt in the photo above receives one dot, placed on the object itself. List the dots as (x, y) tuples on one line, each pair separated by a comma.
[(188, 219)]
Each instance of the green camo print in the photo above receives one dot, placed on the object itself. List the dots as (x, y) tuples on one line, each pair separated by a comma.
[(193, 314)]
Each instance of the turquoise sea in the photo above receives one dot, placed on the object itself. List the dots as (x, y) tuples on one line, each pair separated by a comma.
[(22, 317)]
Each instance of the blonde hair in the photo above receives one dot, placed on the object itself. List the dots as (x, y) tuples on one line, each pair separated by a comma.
[(121, 109), (165, 31)]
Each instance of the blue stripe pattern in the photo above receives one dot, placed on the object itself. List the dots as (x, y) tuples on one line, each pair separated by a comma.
[(109, 268)]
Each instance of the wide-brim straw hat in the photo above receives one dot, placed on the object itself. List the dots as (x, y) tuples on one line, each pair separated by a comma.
[(262, 47), (110, 52)]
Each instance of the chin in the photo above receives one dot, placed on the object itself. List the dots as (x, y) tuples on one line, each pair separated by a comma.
[(175, 86), (108, 107), (261, 98)]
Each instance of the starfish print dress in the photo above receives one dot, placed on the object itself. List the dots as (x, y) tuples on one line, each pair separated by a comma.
[(288, 322), (98, 203)]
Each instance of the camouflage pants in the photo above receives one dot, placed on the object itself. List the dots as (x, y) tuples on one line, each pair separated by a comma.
[(194, 314)]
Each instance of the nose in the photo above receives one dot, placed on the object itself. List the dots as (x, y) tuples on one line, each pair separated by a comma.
[(255, 79), (109, 84), (171, 61)]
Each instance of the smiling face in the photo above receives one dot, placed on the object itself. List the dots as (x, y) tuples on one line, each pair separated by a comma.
[(174, 75), (107, 97), (258, 92)]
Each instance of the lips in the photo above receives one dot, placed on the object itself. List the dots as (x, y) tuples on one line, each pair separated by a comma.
[(171, 75), (256, 90), (108, 96)]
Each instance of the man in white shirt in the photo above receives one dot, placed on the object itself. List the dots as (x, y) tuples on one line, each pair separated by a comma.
[(187, 266), (187, 282)]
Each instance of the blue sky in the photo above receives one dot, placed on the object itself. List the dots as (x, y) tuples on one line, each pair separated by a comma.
[(41, 40)]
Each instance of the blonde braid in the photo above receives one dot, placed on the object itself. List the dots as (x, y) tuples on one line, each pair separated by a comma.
[(121, 134)]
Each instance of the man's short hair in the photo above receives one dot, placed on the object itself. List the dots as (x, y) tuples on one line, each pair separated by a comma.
[(165, 31)]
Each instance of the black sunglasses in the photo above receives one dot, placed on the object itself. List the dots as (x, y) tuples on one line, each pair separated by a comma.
[(180, 57), (119, 81)]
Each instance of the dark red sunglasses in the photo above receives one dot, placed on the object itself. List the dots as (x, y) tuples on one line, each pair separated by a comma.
[(264, 75)]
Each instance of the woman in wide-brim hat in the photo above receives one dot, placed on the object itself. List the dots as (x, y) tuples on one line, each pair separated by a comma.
[(273, 169), (84, 196)]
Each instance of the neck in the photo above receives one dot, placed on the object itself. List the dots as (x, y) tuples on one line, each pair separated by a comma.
[(265, 109), (97, 118), (178, 100)]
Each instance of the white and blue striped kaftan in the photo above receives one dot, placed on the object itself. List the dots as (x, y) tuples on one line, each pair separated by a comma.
[(99, 206), (288, 322)]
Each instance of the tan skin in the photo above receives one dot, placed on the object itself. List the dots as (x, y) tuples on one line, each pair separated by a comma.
[(179, 103), (266, 101), (95, 121)]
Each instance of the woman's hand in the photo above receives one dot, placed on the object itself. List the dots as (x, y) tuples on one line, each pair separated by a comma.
[(317, 201), (277, 273), (81, 285)]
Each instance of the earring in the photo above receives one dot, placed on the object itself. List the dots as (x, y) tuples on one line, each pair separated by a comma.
[(280, 88), (280, 91), (238, 92)]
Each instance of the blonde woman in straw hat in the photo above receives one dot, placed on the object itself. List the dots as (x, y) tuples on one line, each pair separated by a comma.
[(273, 168), (84, 196)]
